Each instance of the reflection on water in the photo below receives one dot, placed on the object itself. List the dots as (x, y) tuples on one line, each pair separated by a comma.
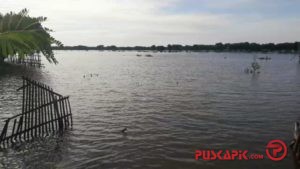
[(172, 104)]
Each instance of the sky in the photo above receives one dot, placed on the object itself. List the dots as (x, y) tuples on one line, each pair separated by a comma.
[(162, 22)]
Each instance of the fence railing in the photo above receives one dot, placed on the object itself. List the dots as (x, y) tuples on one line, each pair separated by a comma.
[(43, 111)]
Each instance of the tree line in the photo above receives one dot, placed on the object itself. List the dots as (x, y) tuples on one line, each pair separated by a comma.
[(219, 47)]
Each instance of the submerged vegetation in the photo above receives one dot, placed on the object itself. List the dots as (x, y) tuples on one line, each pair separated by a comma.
[(22, 35), (218, 47), (253, 68)]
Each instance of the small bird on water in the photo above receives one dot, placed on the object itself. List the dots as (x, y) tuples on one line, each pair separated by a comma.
[(124, 130)]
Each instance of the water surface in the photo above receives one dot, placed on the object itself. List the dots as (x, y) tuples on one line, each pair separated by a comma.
[(172, 104)]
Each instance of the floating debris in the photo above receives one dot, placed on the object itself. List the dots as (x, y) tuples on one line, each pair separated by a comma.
[(148, 55), (265, 58), (138, 55)]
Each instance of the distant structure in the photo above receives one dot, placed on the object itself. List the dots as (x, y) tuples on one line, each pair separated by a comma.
[(43, 112), (32, 60)]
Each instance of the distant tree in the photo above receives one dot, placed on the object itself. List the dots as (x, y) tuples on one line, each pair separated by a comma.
[(22, 35), (140, 48), (219, 46), (284, 47), (113, 47), (187, 47), (169, 47), (81, 47), (161, 48), (153, 47), (100, 47), (175, 47), (268, 47), (297, 47)]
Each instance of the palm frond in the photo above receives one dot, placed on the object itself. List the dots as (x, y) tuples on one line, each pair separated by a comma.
[(23, 35)]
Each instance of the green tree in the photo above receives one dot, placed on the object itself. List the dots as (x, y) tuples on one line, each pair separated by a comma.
[(22, 35)]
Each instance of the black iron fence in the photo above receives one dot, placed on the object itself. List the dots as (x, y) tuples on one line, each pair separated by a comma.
[(43, 111)]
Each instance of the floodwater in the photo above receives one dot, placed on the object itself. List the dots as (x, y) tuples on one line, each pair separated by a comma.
[(172, 104)]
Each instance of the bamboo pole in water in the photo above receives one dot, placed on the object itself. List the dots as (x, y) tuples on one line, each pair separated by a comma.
[(32, 107), (19, 129), (23, 108), (39, 110), (42, 112), (70, 111), (27, 109), (13, 130), (46, 112), (35, 110), (64, 114), (52, 116)]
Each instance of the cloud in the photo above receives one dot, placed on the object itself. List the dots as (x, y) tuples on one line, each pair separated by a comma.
[(147, 22)]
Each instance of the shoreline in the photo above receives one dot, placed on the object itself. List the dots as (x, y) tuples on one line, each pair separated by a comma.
[(184, 51)]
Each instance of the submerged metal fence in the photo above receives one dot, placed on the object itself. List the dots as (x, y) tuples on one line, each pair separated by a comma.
[(43, 112)]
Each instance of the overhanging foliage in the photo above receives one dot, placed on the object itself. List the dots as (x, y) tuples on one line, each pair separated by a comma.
[(23, 35)]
